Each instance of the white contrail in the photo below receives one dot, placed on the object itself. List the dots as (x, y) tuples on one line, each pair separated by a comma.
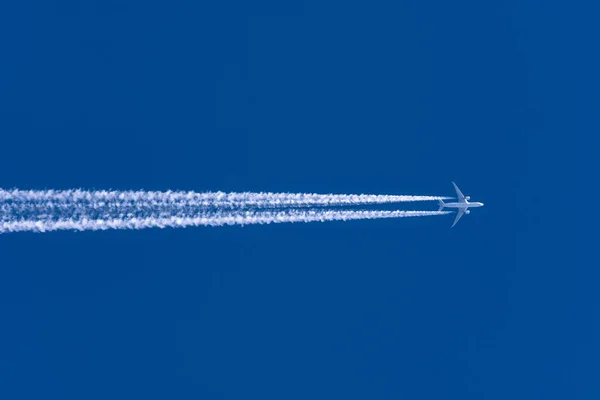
[(205, 219), (117, 199), (50, 210)]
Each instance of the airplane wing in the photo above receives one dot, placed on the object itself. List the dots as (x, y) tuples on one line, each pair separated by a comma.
[(461, 197), (459, 213)]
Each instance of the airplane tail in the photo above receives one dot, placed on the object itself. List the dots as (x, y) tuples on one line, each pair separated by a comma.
[(442, 205)]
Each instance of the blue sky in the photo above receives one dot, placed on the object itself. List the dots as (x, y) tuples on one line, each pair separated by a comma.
[(328, 96)]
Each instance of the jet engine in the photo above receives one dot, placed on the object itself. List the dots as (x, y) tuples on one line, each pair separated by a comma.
[(467, 197), (467, 211)]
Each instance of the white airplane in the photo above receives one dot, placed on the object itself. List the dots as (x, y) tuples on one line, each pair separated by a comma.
[(462, 205)]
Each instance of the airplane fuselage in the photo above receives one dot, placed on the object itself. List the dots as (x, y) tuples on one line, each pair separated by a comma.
[(466, 204)]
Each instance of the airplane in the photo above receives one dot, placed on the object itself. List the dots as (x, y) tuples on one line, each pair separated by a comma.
[(462, 205)]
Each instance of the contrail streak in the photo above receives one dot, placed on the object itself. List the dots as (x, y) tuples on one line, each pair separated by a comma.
[(51, 210), (204, 219), (118, 199)]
